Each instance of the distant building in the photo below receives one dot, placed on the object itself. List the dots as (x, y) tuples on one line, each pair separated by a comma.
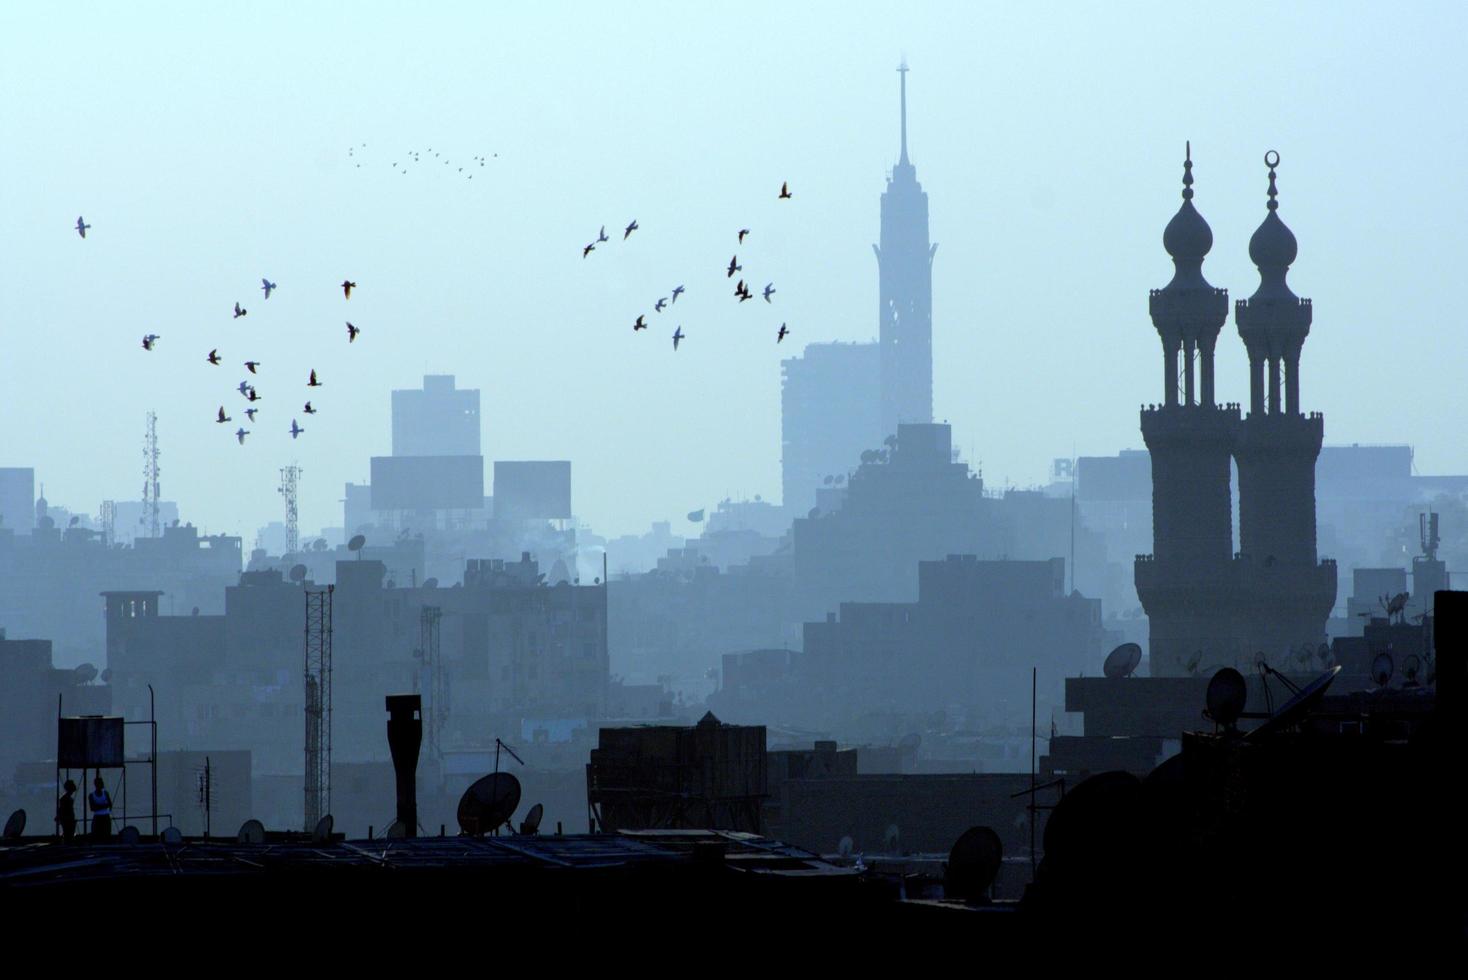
[(30, 685), (436, 420), (17, 499), (905, 318), (830, 413)]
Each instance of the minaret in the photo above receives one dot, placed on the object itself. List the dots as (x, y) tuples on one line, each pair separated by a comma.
[(1184, 585), (1276, 453), (905, 270)]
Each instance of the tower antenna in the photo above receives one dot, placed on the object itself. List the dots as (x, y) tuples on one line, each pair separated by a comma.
[(290, 478), (902, 70), (150, 476)]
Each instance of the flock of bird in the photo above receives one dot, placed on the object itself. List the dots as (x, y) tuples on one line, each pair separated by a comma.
[(246, 387), (742, 291), (415, 157)]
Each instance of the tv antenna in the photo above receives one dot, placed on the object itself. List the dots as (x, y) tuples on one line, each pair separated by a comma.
[(290, 479)]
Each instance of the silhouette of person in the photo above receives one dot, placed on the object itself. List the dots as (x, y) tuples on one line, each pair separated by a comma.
[(100, 803), (66, 811)]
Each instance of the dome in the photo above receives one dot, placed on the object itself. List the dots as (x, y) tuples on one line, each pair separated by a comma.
[(1187, 235), (1273, 245)]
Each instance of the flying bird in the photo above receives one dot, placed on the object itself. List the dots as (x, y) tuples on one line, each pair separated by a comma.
[(347, 287), (601, 236), (769, 291), (785, 191), (676, 291), (250, 413), (591, 247), (81, 227), (148, 340), (782, 334), (742, 233), (252, 395), (245, 388), (352, 332), (240, 434), (267, 286), (295, 429), (677, 336), (630, 229), (213, 357), (239, 311), (742, 291), (308, 409), (641, 323), (734, 267), (658, 306), (313, 383), (222, 417), (251, 366)]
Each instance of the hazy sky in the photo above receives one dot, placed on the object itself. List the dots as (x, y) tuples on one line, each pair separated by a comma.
[(209, 149)]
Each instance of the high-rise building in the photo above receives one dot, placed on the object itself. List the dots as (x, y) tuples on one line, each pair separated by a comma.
[(829, 416), (1185, 585), (905, 318), (436, 420), (17, 499), (1276, 450)]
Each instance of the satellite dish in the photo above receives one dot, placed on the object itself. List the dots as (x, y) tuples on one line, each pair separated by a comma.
[(845, 846), (84, 674), (358, 540), (1094, 821), (171, 836), (973, 864), (430, 583), (252, 831), (15, 826), (1411, 667), (324, 827), (909, 743), (1382, 668), (106, 675), (1297, 707), (531, 823), (488, 803), (129, 835), (1227, 695), (298, 573), (1123, 661), (892, 838)]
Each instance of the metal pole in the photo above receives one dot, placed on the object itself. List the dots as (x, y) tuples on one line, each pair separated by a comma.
[(1034, 673), (153, 756)]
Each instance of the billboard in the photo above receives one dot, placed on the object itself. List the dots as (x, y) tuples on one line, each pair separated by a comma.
[(89, 742), (532, 489), (427, 482)]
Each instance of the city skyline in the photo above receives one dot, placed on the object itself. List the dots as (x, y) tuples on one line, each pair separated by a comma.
[(1049, 230)]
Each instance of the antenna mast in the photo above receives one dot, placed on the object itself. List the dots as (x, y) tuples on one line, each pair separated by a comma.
[(150, 477), (290, 478), (318, 705)]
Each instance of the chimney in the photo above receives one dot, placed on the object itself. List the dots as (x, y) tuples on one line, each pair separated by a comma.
[(404, 736)]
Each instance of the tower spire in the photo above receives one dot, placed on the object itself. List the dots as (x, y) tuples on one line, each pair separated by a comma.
[(902, 74)]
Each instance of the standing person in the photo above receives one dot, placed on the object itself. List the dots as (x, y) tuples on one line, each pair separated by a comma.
[(100, 803), (66, 812)]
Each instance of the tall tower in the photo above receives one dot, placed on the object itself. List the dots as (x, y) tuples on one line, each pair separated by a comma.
[(1292, 594), (905, 271), (289, 489), (151, 520), (1185, 584)]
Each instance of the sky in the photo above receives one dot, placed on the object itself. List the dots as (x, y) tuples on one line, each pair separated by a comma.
[(209, 147)]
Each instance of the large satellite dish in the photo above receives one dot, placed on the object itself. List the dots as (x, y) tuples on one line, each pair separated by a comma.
[(488, 803), (845, 846), (84, 674), (909, 743), (1122, 661), (1095, 819), (252, 831), (171, 836), (15, 826), (357, 542), (430, 583), (324, 827), (1297, 707), (973, 864), (298, 573), (1227, 695), (531, 823), (129, 835), (1382, 668), (1411, 667)]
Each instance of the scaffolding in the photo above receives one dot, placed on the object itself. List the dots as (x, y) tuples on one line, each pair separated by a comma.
[(150, 478), (290, 478), (318, 705)]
